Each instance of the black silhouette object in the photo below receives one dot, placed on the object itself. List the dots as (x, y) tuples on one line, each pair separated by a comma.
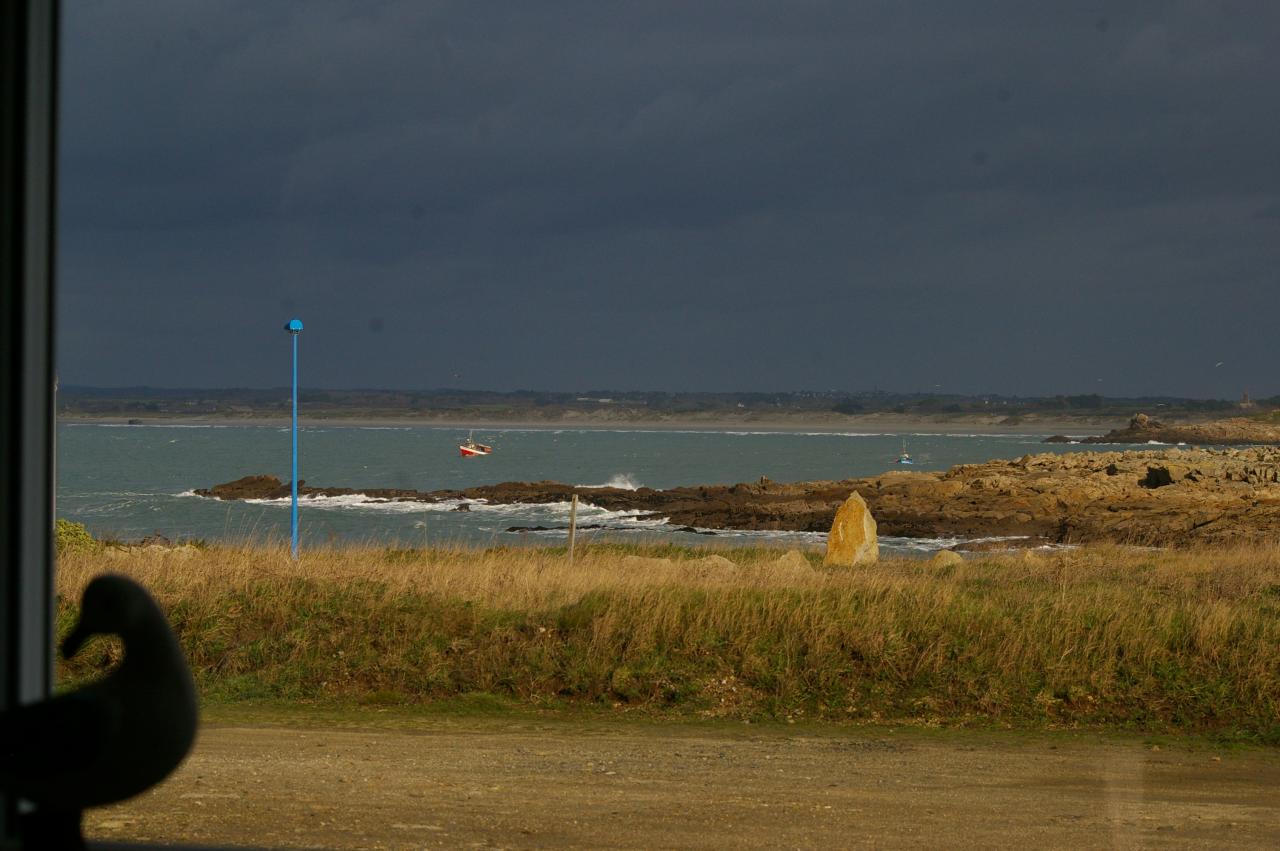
[(110, 740)]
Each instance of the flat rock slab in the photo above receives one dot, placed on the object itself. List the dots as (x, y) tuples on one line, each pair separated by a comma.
[(527, 784)]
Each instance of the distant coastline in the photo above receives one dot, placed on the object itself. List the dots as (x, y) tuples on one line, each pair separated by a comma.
[(872, 423), (875, 412)]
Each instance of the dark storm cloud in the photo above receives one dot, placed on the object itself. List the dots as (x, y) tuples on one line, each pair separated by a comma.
[(1074, 197)]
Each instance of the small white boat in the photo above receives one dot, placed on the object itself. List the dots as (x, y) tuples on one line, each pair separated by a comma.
[(905, 458), (469, 448)]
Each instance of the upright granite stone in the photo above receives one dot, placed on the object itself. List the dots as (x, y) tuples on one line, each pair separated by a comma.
[(853, 535)]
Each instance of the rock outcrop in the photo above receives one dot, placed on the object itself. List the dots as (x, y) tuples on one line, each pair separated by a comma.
[(945, 558), (1163, 496), (1238, 431), (793, 563), (852, 540)]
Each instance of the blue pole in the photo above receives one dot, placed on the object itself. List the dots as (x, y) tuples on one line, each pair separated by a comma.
[(293, 520), (294, 327)]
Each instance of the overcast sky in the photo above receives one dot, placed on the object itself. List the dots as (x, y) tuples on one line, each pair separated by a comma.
[(1032, 198)]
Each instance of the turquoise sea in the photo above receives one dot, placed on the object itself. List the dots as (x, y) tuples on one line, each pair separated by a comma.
[(127, 482)]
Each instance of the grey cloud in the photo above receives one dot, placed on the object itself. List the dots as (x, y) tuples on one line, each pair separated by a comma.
[(667, 185)]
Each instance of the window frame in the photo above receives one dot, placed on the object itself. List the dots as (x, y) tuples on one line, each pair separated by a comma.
[(28, 110)]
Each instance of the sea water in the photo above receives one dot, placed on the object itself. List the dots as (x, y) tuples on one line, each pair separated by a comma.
[(127, 482)]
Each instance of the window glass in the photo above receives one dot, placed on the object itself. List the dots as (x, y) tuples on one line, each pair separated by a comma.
[(604, 310)]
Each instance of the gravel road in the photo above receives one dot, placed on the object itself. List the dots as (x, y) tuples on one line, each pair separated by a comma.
[(526, 784)]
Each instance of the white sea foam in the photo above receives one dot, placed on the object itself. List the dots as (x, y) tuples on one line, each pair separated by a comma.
[(766, 535), (559, 512), (115, 506), (934, 544), (622, 481), (110, 493), (531, 512), (363, 503)]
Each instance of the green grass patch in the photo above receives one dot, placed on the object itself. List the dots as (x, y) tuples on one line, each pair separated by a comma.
[(1097, 640)]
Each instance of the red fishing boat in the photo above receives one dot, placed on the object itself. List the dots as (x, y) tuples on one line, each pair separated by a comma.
[(470, 448)]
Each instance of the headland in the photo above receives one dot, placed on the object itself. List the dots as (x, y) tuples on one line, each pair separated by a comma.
[(1236, 431)]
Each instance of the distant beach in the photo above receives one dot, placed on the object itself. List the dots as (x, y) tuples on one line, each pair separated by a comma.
[(875, 423)]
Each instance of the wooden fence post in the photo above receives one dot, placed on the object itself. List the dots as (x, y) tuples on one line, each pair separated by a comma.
[(573, 526)]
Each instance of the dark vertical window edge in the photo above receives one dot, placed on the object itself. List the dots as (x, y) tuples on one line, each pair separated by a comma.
[(28, 63)]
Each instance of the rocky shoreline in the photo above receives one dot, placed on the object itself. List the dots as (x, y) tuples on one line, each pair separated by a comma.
[(1163, 497), (1237, 431)]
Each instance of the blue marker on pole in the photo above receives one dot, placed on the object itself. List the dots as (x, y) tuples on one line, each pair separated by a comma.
[(294, 327)]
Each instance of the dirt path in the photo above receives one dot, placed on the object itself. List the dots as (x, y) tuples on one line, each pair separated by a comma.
[(524, 784)]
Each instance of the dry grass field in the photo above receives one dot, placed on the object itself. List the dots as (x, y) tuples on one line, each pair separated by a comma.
[(1097, 637)]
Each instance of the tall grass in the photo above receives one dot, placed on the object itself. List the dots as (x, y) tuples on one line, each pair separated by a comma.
[(1100, 636)]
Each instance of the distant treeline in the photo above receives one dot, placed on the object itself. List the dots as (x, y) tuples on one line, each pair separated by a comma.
[(251, 401)]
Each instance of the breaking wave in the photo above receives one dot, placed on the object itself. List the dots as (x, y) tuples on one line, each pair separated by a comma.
[(544, 512), (621, 481), (362, 502)]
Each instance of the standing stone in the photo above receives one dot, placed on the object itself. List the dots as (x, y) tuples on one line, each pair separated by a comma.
[(853, 535)]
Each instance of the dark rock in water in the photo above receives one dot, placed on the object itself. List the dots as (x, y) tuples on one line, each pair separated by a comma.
[(465, 506), (270, 487), (1057, 438), (135, 422), (693, 531), (248, 487), (581, 527)]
